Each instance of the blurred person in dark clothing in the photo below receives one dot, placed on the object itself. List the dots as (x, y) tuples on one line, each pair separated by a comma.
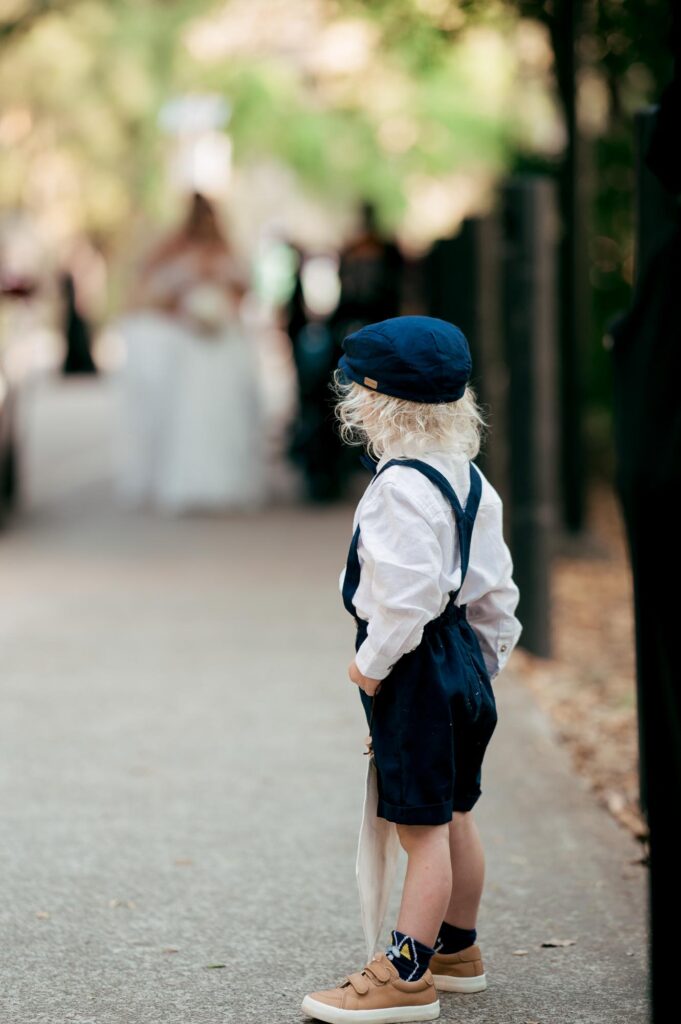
[(313, 446), (646, 351), (370, 272), (77, 333), (371, 289)]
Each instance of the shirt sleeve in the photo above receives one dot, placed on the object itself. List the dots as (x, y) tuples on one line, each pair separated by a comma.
[(403, 557), (492, 615)]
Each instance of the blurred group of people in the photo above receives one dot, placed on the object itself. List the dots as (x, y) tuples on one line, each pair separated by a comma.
[(192, 382), (192, 412)]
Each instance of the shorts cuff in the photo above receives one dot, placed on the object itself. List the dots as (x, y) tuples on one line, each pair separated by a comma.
[(427, 814), (466, 803)]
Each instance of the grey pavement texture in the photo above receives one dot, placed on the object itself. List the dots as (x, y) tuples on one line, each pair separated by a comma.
[(182, 770)]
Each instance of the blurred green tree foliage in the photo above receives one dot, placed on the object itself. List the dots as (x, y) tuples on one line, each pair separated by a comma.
[(405, 91), (82, 83), (623, 61)]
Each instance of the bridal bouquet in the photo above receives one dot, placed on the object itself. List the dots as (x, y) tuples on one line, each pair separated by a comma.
[(208, 307)]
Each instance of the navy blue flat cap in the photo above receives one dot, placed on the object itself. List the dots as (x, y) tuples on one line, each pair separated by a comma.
[(418, 358)]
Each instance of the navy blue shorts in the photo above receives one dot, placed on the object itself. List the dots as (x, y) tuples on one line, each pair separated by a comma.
[(430, 724)]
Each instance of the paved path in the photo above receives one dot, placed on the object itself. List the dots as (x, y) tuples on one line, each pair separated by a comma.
[(181, 778)]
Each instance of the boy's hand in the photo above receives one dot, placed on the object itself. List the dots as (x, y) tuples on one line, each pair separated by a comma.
[(370, 686)]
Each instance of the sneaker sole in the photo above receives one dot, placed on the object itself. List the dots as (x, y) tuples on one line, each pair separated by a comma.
[(385, 1015), (447, 983)]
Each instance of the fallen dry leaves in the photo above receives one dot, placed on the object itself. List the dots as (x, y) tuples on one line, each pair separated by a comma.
[(588, 687)]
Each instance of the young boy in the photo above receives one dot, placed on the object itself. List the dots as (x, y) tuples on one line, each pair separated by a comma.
[(429, 583)]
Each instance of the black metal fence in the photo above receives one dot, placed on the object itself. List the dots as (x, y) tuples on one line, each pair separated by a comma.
[(497, 280)]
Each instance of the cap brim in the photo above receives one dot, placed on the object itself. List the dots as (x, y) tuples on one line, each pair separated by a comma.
[(351, 375)]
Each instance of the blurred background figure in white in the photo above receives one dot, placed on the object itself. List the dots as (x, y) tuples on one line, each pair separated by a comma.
[(192, 418)]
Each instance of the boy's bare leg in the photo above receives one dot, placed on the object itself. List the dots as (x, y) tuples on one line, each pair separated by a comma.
[(468, 870), (428, 882)]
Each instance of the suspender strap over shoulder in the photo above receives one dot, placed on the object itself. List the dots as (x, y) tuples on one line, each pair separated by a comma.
[(465, 517), (352, 573)]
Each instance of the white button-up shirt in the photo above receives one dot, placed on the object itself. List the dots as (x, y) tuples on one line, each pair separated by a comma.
[(409, 558)]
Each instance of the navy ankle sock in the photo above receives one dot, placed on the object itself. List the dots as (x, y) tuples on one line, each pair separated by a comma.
[(409, 956), (452, 939)]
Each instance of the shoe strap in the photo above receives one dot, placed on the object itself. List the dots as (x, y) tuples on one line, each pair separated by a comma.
[(379, 969), (375, 970), (358, 982)]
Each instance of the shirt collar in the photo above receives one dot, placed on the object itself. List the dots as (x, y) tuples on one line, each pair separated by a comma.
[(397, 453)]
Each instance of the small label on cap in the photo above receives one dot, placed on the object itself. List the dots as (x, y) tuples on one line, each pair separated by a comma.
[(370, 382)]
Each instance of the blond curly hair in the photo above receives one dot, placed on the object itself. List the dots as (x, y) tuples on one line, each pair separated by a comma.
[(383, 423)]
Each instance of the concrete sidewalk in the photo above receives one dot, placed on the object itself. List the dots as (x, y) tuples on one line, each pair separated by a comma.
[(181, 776)]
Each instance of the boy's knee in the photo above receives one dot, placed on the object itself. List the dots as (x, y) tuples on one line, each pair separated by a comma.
[(462, 820), (413, 836)]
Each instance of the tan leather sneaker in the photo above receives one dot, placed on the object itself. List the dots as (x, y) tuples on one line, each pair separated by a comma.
[(376, 995), (459, 972)]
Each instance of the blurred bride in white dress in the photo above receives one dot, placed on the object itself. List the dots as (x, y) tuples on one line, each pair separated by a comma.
[(192, 412)]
